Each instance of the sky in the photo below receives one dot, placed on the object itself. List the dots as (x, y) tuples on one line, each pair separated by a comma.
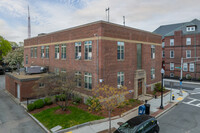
[(53, 15)]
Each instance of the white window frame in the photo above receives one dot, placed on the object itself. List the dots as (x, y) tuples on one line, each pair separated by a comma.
[(120, 50), (47, 52), (57, 54), (32, 52), (63, 51), (42, 52), (78, 50), (88, 50), (188, 53), (35, 52), (185, 67), (88, 80), (120, 79), (153, 75), (171, 42), (191, 67), (191, 28), (163, 44), (171, 53), (56, 71), (153, 51), (188, 41), (78, 79), (171, 66)]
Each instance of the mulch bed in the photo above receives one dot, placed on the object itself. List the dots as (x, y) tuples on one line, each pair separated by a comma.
[(104, 113), (158, 93)]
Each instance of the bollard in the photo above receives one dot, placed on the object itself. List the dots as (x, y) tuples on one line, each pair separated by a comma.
[(173, 97)]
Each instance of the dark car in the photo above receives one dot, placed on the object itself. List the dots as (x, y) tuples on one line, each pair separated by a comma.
[(139, 124), (7, 69), (1, 70)]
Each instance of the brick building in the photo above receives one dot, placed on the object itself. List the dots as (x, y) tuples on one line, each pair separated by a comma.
[(101, 52), (181, 40)]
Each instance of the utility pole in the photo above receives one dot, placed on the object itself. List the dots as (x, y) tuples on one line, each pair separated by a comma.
[(29, 24), (181, 79), (107, 12)]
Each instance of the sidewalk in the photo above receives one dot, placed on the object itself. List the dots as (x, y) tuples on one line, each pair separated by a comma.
[(154, 110)]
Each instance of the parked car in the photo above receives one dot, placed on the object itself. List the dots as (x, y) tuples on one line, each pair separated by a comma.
[(1, 70), (7, 69), (139, 124)]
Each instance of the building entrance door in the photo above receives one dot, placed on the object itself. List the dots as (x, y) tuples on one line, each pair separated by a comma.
[(139, 87), (18, 91)]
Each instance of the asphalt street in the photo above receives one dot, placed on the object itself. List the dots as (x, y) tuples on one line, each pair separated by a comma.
[(183, 118), (13, 118), (186, 86)]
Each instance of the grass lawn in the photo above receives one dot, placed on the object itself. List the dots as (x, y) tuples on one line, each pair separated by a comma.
[(77, 116)]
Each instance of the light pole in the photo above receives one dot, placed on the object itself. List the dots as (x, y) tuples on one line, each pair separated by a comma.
[(161, 105)]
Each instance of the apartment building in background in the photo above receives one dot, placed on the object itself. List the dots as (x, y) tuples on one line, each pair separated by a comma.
[(181, 40), (102, 53)]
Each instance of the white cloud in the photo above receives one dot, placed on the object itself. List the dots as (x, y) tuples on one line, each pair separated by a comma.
[(48, 16)]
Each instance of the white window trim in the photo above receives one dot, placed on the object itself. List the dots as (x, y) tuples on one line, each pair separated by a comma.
[(153, 51), (89, 54), (185, 67), (121, 44), (188, 41), (171, 65), (191, 64), (171, 40), (171, 74), (153, 73), (187, 54), (78, 47), (120, 75)]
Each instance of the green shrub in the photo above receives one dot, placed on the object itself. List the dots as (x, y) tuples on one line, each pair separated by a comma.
[(31, 107), (76, 99), (39, 103), (157, 87), (48, 101), (60, 97), (199, 78), (93, 103)]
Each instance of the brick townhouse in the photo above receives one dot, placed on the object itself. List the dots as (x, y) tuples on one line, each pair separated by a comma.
[(102, 53), (181, 40)]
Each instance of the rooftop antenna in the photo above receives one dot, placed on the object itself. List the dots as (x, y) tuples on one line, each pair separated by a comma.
[(107, 12), (29, 24), (124, 20)]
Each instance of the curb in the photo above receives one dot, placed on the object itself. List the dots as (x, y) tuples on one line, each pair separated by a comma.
[(40, 124), (163, 112)]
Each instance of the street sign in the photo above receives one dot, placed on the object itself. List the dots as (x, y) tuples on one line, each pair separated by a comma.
[(178, 67)]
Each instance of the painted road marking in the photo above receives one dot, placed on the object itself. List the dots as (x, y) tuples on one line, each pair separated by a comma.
[(179, 98), (191, 102), (195, 93)]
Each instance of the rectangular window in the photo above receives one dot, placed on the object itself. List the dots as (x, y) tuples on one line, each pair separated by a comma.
[(63, 70), (185, 65), (57, 51), (47, 52), (163, 44), (171, 53), (139, 56), (120, 79), (63, 51), (31, 52), (171, 66), (56, 71), (153, 73), (35, 52), (88, 80), (152, 51), (88, 50), (163, 54), (120, 50), (26, 59), (188, 53), (42, 51), (190, 28), (171, 42), (191, 67), (188, 41), (41, 85), (78, 50), (78, 79), (171, 74)]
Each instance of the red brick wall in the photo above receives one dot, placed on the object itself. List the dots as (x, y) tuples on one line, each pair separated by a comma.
[(180, 48), (108, 63), (26, 90)]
